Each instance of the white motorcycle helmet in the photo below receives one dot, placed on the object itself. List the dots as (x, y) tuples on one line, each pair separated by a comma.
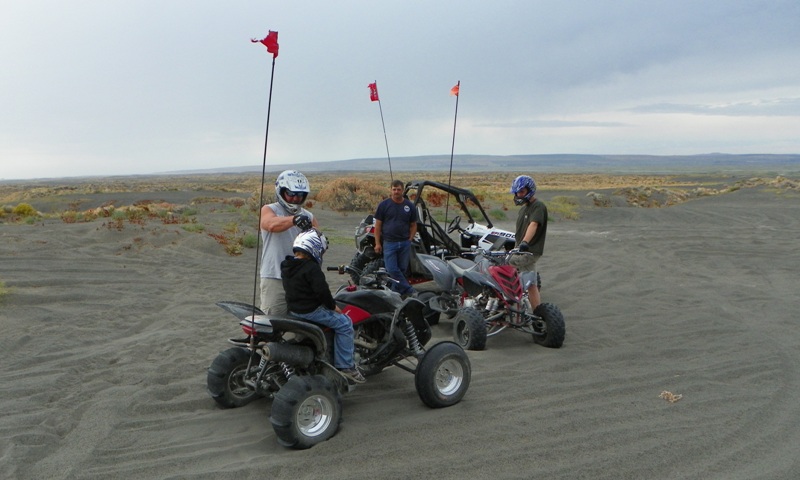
[(312, 242), (294, 182)]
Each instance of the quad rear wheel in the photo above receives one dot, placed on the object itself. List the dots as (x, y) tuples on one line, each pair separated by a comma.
[(226, 378), (306, 411)]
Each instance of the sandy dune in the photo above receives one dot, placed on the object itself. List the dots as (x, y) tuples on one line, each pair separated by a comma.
[(107, 336)]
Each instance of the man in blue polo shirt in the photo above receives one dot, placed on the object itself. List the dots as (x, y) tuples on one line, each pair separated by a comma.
[(395, 227)]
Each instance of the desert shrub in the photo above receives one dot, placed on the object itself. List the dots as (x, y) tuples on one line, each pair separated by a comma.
[(498, 214), (351, 194), (24, 210), (249, 240), (193, 227), (435, 198), (564, 206), (236, 202), (3, 291)]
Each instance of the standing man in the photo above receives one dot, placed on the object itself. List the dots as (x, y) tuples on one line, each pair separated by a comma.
[(281, 222), (530, 233), (395, 226)]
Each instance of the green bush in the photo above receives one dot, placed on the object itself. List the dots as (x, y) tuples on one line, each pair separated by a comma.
[(249, 240), (24, 210), (193, 227)]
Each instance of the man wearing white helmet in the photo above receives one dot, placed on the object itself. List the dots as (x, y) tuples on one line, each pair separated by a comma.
[(281, 222), (531, 230)]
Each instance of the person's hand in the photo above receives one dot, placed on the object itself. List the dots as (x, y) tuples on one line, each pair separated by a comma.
[(523, 247), (302, 221), (378, 248)]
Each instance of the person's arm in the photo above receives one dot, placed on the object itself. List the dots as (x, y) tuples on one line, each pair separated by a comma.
[(319, 285), (412, 230), (273, 223), (530, 232)]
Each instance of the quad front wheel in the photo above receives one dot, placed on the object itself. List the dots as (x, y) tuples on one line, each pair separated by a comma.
[(551, 326), (226, 378), (443, 375), (306, 411), (469, 329)]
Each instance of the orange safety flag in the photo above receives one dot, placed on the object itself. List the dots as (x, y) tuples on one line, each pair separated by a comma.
[(270, 41), (373, 91), (454, 91)]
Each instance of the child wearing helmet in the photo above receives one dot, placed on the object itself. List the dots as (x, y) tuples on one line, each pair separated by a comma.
[(281, 222), (531, 230), (309, 297)]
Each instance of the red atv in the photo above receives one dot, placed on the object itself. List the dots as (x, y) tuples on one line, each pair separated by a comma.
[(485, 296)]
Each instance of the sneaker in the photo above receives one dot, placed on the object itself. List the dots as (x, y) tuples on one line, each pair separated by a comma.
[(353, 374)]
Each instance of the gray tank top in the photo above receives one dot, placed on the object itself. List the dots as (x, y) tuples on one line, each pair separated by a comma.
[(277, 245)]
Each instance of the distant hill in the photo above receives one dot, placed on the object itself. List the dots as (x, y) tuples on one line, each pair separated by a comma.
[(561, 163)]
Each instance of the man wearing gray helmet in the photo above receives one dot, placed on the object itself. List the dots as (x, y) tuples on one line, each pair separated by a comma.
[(281, 222)]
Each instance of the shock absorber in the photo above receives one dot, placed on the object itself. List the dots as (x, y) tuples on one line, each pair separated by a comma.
[(413, 341), (491, 305), (288, 370)]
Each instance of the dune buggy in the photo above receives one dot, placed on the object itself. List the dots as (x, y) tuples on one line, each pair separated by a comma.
[(432, 238)]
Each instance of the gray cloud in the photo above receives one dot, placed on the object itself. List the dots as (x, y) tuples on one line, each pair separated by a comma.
[(776, 107), (120, 87)]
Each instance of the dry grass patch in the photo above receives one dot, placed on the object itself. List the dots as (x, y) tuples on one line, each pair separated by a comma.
[(351, 194)]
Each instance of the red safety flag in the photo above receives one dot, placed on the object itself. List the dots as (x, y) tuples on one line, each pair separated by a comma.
[(270, 41), (373, 92), (454, 91)]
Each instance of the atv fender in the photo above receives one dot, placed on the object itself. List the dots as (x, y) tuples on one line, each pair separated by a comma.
[(414, 311)]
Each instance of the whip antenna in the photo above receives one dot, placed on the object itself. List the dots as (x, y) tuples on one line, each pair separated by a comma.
[(373, 96), (271, 42), (453, 91)]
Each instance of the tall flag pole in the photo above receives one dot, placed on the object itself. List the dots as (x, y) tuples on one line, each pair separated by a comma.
[(453, 91), (373, 96), (271, 42)]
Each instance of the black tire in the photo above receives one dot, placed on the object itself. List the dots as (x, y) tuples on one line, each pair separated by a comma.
[(373, 266), (358, 262), (443, 375), (469, 329), (431, 315), (554, 327), (306, 411), (226, 377)]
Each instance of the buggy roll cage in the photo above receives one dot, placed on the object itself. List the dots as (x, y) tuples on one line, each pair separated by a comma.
[(429, 230)]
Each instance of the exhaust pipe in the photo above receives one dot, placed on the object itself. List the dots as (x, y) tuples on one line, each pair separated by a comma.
[(297, 355)]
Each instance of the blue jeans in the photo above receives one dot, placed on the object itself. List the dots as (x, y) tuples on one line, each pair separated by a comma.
[(343, 334), (396, 257)]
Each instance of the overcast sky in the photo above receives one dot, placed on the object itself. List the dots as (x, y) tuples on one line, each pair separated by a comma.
[(106, 87)]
